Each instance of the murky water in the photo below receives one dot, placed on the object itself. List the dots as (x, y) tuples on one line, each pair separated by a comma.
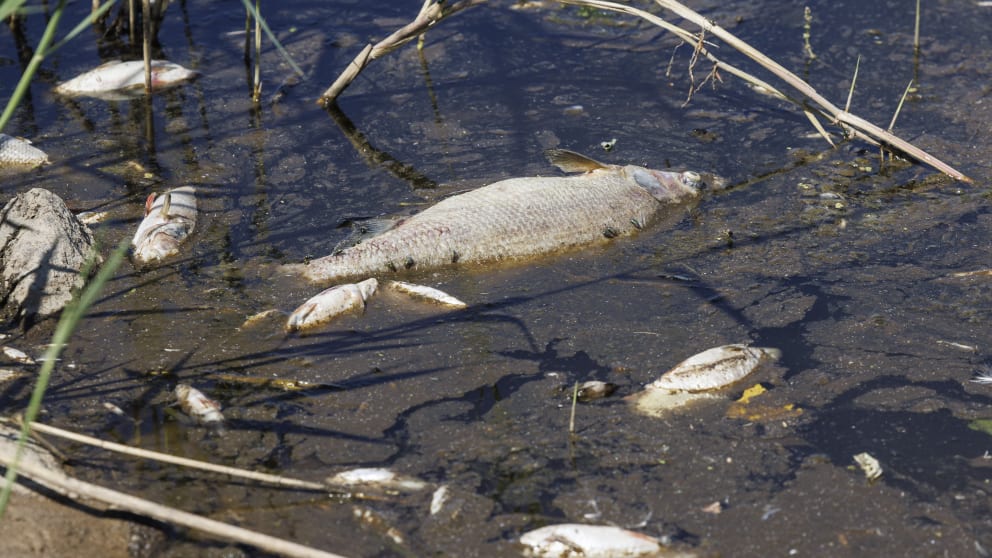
[(844, 265)]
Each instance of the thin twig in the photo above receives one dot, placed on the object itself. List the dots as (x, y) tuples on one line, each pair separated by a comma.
[(862, 128), (182, 461), (64, 484), (854, 80), (430, 13)]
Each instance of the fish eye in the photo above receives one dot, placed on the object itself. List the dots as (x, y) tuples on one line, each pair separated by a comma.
[(693, 179)]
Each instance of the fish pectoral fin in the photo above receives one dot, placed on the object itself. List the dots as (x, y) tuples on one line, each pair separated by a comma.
[(570, 161), (362, 230)]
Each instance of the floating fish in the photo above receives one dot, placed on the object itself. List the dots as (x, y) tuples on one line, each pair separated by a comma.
[(206, 411), (120, 81), (574, 540), (595, 389), (714, 368), (17, 355), (331, 303), (426, 293), (696, 377), (169, 220), (515, 218), (17, 152), (377, 478)]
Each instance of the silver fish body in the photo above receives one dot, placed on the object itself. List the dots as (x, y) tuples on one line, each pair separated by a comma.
[(516, 218), (714, 368), (331, 303), (120, 81), (428, 294), (169, 220), (16, 152), (194, 403), (572, 539)]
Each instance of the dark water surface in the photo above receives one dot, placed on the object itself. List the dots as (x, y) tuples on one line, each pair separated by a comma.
[(844, 266)]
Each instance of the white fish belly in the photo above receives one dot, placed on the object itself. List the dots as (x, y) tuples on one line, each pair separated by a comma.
[(510, 219)]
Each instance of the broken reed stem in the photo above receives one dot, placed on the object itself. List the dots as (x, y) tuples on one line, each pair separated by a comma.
[(77, 489), (916, 29), (146, 43), (431, 12), (807, 33), (854, 79), (860, 127), (256, 93), (575, 398), (899, 106), (181, 461)]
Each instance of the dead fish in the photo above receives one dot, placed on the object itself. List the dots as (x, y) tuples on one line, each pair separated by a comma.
[(871, 467), (426, 293), (516, 218), (120, 81), (206, 411), (169, 220), (18, 152), (264, 317), (595, 389), (331, 303), (573, 539), (377, 478), (714, 368), (17, 355)]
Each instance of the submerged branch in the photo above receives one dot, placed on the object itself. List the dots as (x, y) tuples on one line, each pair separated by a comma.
[(430, 13), (859, 126)]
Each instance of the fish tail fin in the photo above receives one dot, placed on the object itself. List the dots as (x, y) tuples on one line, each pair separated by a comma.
[(570, 161)]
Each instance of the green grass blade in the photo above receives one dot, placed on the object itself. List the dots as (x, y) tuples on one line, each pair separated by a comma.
[(71, 315), (272, 37), (8, 7), (39, 55)]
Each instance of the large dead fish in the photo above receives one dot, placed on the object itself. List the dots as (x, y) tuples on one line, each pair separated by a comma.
[(516, 218), (120, 81), (169, 220), (16, 152)]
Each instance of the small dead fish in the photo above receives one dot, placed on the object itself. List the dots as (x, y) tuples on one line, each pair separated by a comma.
[(595, 389), (516, 218), (111, 408), (120, 81), (439, 499), (92, 217), (169, 220), (17, 355), (573, 539), (206, 411), (376, 478), (714, 368), (331, 303), (426, 293), (17, 152)]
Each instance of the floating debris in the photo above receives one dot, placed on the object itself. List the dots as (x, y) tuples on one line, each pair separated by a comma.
[(429, 294), (120, 81), (516, 218), (608, 145), (376, 478), (576, 540), (6, 374), (714, 368), (18, 152), (92, 217), (380, 524), (439, 499), (956, 345), (271, 315), (715, 508), (17, 355), (870, 465), (595, 389), (113, 408), (169, 220), (331, 303), (206, 411), (984, 376)]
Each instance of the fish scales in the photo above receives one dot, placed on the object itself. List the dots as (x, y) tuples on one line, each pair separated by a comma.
[(513, 218), (20, 153)]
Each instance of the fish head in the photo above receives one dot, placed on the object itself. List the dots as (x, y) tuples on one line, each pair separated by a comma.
[(167, 74), (666, 185), (160, 241)]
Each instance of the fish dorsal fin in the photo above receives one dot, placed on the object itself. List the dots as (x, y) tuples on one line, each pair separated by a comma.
[(570, 161)]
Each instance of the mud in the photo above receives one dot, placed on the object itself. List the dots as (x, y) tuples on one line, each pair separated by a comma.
[(843, 263)]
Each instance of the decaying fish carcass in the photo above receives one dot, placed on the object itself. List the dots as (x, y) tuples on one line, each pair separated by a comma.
[(516, 218)]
